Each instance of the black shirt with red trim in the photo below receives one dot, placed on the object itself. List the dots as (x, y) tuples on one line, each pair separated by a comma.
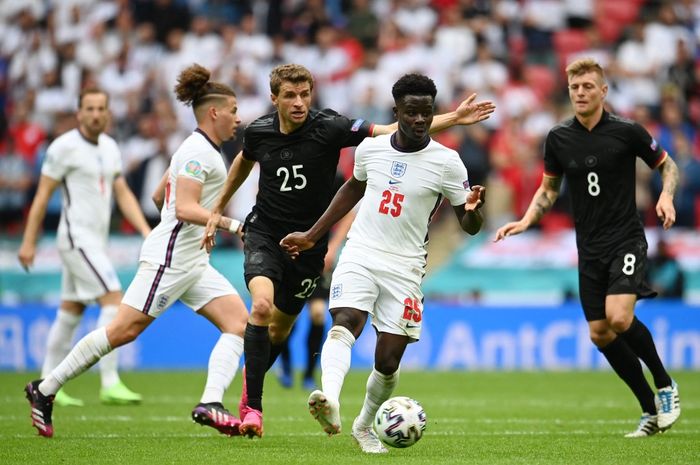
[(297, 170), (600, 170)]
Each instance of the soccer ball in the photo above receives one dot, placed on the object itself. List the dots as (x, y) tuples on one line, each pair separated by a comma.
[(400, 422)]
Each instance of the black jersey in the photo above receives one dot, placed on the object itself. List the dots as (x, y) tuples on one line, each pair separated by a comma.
[(297, 170), (600, 171)]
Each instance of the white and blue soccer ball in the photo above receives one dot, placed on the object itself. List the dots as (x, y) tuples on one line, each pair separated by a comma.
[(400, 422)]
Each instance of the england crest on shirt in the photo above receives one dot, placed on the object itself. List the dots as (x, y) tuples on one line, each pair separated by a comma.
[(398, 169)]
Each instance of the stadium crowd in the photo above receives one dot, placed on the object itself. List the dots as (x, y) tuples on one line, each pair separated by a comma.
[(510, 51)]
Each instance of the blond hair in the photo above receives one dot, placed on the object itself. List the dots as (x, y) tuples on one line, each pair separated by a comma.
[(583, 66)]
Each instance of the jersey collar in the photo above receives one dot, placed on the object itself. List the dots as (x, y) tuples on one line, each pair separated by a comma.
[(216, 147), (604, 117), (396, 147)]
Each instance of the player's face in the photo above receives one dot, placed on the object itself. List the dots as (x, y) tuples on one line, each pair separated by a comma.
[(227, 120), (93, 114), (415, 115), (587, 92), (292, 102)]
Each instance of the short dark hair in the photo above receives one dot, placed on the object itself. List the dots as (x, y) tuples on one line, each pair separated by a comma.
[(90, 91), (413, 84)]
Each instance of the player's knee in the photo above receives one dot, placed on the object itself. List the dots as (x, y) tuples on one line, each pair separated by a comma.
[(620, 323), (121, 335), (261, 309), (601, 338), (387, 366)]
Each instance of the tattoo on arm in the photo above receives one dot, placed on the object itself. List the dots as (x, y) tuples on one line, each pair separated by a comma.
[(545, 200), (669, 176)]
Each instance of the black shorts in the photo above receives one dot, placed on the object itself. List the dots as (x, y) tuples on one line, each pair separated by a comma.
[(294, 280), (623, 273), (323, 287)]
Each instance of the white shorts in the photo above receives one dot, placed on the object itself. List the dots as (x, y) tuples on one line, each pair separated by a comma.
[(390, 293), (156, 287), (87, 275)]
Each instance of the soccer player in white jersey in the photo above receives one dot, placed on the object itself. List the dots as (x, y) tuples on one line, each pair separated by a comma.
[(86, 164), (172, 264), (402, 179)]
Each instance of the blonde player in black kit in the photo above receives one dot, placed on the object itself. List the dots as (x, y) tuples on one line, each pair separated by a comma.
[(597, 152), (298, 149)]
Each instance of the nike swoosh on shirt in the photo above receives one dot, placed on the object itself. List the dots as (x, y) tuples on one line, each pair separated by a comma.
[(394, 181)]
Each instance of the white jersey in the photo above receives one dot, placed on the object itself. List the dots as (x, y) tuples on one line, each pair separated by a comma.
[(173, 243), (404, 189), (86, 172)]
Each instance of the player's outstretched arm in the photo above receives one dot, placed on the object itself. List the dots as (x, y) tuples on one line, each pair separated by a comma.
[(669, 178), (37, 211), (541, 203), (129, 206), (239, 172), (468, 112), (345, 199)]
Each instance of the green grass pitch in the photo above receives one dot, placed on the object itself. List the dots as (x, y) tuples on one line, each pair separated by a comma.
[(523, 418)]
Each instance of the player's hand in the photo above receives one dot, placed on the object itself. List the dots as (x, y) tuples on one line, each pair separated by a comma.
[(666, 211), (470, 112), (26, 255), (475, 199), (510, 229), (295, 243), (209, 238)]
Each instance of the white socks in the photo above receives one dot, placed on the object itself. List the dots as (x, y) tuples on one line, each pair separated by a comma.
[(223, 363), (108, 365), (60, 339), (85, 354), (379, 389), (335, 360)]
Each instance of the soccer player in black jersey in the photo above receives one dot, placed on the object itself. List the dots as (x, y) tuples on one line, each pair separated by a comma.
[(597, 152), (298, 149)]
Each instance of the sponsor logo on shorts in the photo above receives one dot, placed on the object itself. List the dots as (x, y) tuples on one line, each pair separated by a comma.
[(336, 291), (193, 167), (398, 168), (162, 302)]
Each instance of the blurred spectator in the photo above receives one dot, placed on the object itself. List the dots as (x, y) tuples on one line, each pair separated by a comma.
[(26, 135), (665, 274), (687, 199), (165, 15), (15, 182), (363, 24)]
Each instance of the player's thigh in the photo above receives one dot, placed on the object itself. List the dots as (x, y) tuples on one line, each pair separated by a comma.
[(399, 306), (262, 257), (592, 288), (156, 287), (353, 286), (127, 325), (215, 298), (628, 272), (87, 275), (301, 276)]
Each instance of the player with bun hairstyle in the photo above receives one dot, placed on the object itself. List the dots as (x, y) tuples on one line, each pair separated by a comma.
[(172, 264)]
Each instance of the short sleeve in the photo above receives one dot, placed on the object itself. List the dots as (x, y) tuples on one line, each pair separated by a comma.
[(647, 148), (55, 164), (348, 132), (455, 180), (552, 166), (196, 167), (359, 170)]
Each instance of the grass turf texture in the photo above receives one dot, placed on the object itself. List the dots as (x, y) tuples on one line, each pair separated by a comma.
[(473, 418)]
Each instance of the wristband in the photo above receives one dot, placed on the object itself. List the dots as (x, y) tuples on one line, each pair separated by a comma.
[(233, 227)]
